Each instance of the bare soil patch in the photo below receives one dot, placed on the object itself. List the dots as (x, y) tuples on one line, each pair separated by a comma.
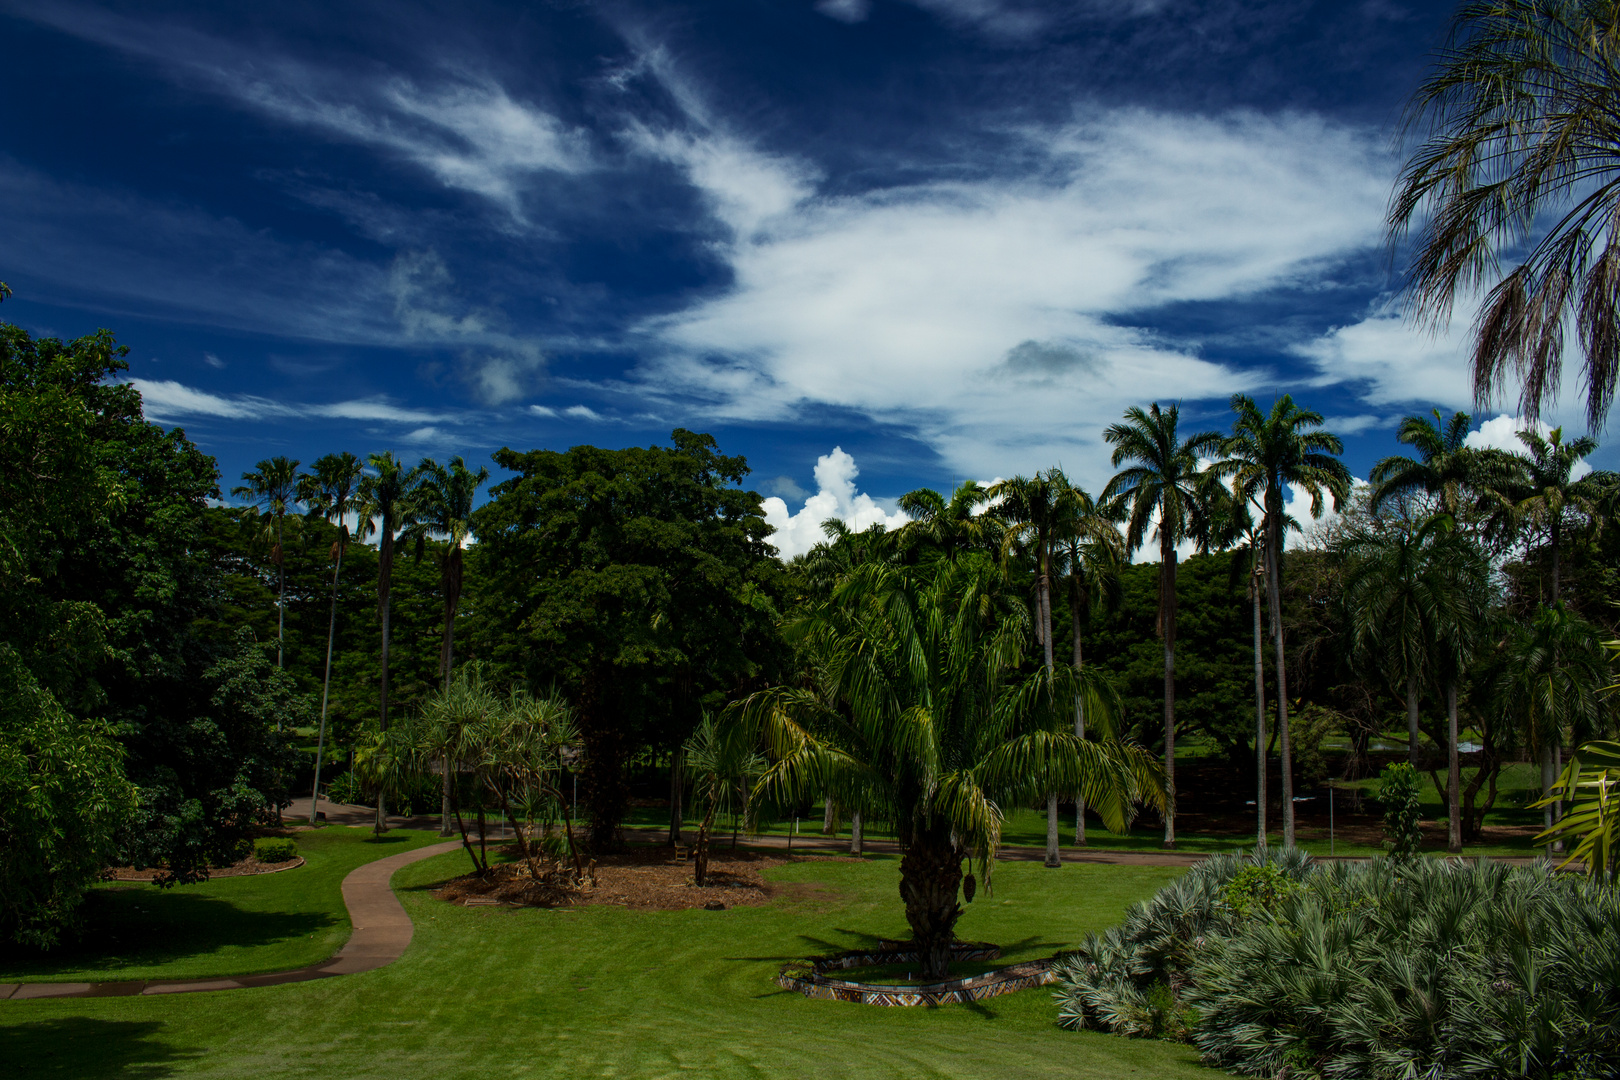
[(642, 877), (242, 868)]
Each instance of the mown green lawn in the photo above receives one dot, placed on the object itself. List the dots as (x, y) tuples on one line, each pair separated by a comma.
[(605, 991), (226, 926)]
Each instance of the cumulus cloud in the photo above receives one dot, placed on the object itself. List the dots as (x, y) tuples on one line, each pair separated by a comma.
[(835, 497), (1502, 433), (991, 318)]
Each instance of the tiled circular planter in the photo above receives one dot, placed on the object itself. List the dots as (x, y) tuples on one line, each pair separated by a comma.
[(817, 983)]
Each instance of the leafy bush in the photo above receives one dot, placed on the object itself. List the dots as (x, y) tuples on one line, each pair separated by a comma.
[(1258, 888), (1398, 791), (346, 789), (275, 849), (1393, 968)]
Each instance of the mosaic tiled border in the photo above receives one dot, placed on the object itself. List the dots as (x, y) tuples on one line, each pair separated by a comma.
[(815, 983)]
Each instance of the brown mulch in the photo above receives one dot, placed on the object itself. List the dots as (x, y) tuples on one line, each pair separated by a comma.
[(642, 877), (243, 868)]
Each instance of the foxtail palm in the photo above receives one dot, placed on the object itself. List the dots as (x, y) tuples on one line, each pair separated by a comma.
[(274, 491), (1161, 488), (1519, 120), (332, 491), (1037, 510), (388, 497), (444, 505), (1266, 453), (937, 731)]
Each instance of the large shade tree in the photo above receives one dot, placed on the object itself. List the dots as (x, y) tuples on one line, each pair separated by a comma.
[(928, 720), (1515, 129), (1267, 454), (1160, 489)]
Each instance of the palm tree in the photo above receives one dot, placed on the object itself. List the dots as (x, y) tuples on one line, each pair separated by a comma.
[(444, 506), (1162, 482), (1445, 468), (948, 527), (937, 731), (1554, 678), (722, 761), (387, 496), (1265, 455), (274, 491), (1519, 120), (1543, 498), (332, 492), (1037, 509)]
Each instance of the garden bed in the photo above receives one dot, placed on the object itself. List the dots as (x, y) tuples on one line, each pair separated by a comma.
[(644, 878), (875, 970), (242, 868)]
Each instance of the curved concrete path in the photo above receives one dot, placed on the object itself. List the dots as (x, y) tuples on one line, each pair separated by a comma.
[(382, 931)]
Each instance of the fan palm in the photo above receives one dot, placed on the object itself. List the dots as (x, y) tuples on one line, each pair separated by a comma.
[(1543, 498), (1268, 453), (274, 491), (931, 726), (332, 491), (387, 496), (1162, 483), (1519, 121)]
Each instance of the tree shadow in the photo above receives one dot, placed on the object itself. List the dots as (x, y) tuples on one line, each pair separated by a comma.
[(87, 1049), (126, 928)]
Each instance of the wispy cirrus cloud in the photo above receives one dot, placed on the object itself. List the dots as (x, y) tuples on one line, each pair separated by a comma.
[(167, 400)]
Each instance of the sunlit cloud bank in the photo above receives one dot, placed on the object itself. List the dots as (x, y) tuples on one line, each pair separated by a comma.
[(835, 497)]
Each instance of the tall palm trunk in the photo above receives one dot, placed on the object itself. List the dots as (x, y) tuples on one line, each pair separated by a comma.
[(1453, 772), (281, 601), (1412, 721), (326, 687), (857, 842), (1548, 776), (385, 574), (1043, 586), (1167, 631), (1274, 594), (677, 766), (450, 582), (1259, 712), (1079, 717)]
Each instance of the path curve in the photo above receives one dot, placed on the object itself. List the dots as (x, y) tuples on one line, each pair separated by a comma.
[(382, 931)]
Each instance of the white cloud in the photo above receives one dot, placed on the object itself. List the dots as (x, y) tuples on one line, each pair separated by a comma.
[(213, 361), (847, 11), (1298, 507), (990, 318), (1394, 362), (543, 410), (835, 497), (582, 412), (1502, 433), (165, 399)]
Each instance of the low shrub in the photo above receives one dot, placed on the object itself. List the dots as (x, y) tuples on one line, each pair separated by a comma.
[(275, 849), (1392, 968)]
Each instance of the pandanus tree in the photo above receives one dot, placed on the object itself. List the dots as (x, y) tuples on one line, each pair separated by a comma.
[(1038, 510), (444, 505), (1514, 166), (928, 718), (273, 489), (1160, 489), (388, 497), (1268, 453), (332, 491)]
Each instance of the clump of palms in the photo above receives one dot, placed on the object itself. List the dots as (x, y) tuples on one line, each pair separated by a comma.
[(926, 719), (722, 762), (1160, 487), (1541, 497)]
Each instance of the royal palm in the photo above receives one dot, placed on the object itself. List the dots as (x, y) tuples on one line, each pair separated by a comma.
[(1160, 488), (274, 491)]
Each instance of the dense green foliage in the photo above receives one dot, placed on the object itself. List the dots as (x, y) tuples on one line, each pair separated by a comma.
[(1379, 969), (1398, 791)]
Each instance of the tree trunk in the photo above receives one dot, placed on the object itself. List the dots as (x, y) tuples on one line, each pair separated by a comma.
[(603, 767), (450, 583), (857, 843), (1548, 774), (700, 854), (1556, 593), (1043, 591), (281, 599), (930, 878), (1167, 630), (326, 687), (1274, 592), (1079, 711), (1411, 721), (385, 574), (1260, 798), (677, 813), (444, 799), (1453, 774), (829, 820)]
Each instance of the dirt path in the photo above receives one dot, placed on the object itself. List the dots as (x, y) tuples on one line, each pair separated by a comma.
[(382, 931)]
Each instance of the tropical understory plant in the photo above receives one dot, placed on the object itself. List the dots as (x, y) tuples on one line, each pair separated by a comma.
[(723, 764), (928, 715), (1383, 969), (1591, 785)]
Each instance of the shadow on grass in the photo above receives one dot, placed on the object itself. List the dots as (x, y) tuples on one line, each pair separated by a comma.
[(91, 1049), (138, 927)]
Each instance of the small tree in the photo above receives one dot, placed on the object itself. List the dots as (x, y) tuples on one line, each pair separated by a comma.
[(721, 763), (1398, 791)]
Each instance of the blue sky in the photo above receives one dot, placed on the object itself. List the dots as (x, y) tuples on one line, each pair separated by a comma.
[(952, 237)]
